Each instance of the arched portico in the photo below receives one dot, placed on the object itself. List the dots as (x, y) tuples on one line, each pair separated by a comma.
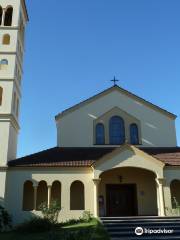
[(128, 191), (129, 161)]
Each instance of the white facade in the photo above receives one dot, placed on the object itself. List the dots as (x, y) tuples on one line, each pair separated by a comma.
[(11, 51), (75, 128), (126, 164)]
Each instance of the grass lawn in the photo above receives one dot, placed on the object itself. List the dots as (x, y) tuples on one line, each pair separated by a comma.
[(82, 231)]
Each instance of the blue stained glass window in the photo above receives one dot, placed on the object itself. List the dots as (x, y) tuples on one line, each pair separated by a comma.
[(100, 138), (134, 134), (116, 130)]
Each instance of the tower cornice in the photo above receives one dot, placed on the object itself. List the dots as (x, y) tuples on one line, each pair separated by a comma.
[(10, 118)]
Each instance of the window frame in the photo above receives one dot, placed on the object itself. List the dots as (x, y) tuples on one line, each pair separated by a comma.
[(135, 126), (114, 138), (102, 136)]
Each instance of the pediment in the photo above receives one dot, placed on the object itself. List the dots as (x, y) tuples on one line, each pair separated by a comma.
[(122, 91), (128, 156)]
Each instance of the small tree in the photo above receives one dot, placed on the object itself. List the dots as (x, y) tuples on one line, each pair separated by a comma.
[(51, 212), (5, 220)]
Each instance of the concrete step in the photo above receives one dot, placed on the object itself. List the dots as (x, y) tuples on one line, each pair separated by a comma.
[(147, 238), (142, 217), (145, 224), (130, 228), (124, 228)]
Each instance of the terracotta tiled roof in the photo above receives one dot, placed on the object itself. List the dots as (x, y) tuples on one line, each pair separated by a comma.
[(171, 156), (85, 157), (59, 156)]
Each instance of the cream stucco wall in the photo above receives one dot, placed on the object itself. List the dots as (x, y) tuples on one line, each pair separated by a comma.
[(75, 129), (145, 185), (2, 187), (107, 171), (10, 79), (16, 7), (8, 146), (66, 176), (128, 158)]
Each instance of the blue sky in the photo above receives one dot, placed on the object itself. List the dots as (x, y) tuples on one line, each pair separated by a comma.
[(73, 49)]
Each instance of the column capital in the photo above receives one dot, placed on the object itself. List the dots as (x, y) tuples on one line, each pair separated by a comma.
[(96, 181), (160, 181)]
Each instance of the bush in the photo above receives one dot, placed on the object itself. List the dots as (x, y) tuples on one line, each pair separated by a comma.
[(35, 225), (87, 216), (79, 235), (52, 212), (5, 220)]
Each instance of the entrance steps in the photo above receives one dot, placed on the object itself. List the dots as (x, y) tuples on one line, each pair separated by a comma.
[(123, 228)]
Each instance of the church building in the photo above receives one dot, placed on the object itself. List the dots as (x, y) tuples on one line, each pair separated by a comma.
[(116, 153)]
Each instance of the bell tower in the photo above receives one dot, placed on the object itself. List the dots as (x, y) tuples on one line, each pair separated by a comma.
[(13, 19)]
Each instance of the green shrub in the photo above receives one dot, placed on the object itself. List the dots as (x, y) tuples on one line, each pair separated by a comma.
[(5, 220), (71, 222), (87, 216), (79, 235), (52, 212), (35, 225)]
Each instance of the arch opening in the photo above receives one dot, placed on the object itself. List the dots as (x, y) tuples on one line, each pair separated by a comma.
[(1, 14), (100, 135), (8, 16), (3, 64), (127, 191), (56, 192), (6, 39), (116, 130), (77, 199), (42, 194), (134, 134), (28, 196), (175, 193)]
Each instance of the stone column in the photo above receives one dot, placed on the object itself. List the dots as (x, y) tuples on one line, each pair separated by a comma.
[(35, 197), (3, 16), (49, 196), (96, 202), (167, 198), (158, 203), (160, 182)]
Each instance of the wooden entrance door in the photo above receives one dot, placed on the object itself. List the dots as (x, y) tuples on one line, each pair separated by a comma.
[(121, 200)]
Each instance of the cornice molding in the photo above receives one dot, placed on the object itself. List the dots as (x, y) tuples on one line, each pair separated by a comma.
[(10, 118)]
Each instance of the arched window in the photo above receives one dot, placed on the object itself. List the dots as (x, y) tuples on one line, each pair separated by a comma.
[(100, 138), (42, 194), (1, 14), (8, 16), (175, 193), (28, 196), (56, 192), (116, 130), (134, 134), (77, 196), (1, 93), (3, 64), (6, 39)]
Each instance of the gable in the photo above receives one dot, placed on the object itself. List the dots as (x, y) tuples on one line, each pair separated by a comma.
[(122, 91), (75, 127), (128, 156)]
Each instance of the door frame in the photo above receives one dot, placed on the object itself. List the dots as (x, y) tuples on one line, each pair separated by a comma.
[(133, 186)]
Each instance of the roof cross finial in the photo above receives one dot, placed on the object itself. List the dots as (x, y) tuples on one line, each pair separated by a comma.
[(114, 81)]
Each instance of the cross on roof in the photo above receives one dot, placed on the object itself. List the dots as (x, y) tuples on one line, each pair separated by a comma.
[(114, 81)]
